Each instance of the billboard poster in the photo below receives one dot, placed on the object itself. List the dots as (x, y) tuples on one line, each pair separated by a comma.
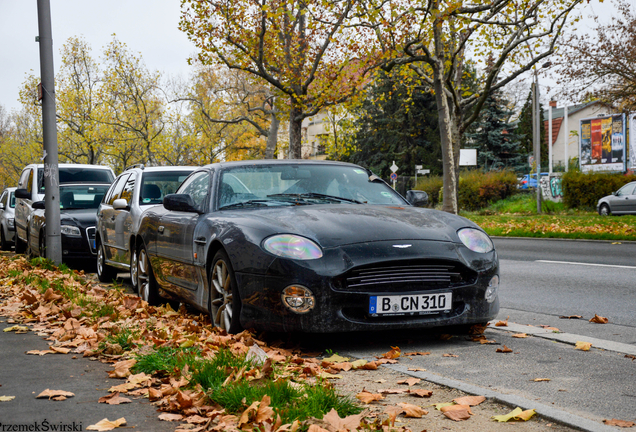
[(602, 144), (586, 143), (597, 141), (631, 164)]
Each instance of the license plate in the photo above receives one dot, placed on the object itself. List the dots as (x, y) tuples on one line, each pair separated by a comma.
[(410, 304)]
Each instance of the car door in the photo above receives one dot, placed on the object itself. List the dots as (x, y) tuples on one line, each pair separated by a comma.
[(108, 219), (123, 221), (624, 201), (176, 270), (23, 205)]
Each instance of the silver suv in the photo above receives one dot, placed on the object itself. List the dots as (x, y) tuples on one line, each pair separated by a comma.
[(31, 189), (132, 193), (7, 210)]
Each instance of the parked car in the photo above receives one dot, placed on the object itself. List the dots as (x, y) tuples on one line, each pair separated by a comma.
[(78, 216), (313, 246), (7, 215), (31, 189), (623, 201), (529, 181), (134, 191)]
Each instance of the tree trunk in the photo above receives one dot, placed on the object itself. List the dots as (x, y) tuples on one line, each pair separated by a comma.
[(449, 204), (295, 132), (272, 137)]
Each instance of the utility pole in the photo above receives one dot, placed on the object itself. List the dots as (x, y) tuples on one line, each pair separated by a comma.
[(536, 138), (49, 130)]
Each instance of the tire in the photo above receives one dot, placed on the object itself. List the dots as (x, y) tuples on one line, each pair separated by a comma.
[(224, 302), (4, 244), (604, 210), (134, 274), (146, 283), (105, 273), (42, 245), (30, 254), (20, 246)]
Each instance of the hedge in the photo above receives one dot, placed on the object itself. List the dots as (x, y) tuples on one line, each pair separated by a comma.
[(584, 190)]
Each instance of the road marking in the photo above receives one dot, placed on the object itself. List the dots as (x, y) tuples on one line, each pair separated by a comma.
[(586, 264)]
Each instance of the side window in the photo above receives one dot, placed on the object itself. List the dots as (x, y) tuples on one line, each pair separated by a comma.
[(116, 191), (198, 187), (3, 199), (24, 179), (129, 187)]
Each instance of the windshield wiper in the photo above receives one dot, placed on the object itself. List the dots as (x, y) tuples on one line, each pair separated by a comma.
[(316, 195), (251, 203)]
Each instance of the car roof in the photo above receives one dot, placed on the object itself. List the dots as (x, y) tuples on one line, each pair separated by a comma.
[(278, 162), (72, 165), (159, 168)]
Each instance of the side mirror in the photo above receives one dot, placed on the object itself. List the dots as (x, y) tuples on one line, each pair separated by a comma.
[(120, 204), (180, 202), (22, 193), (39, 205), (417, 198)]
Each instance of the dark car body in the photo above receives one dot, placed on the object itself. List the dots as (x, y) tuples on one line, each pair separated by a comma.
[(623, 201), (78, 217), (356, 256)]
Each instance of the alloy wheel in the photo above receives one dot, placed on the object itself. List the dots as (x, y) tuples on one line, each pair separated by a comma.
[(221, 295), (143, 276)]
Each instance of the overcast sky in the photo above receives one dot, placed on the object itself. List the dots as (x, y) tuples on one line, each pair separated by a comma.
[(148, 27)]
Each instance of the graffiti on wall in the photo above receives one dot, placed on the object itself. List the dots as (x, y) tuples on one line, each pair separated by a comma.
[(551, 188)]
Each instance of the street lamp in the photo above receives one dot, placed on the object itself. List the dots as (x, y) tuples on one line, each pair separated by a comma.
[(536, 136)]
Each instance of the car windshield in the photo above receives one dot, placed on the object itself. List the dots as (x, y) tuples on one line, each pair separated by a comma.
[(78, 175), (81, 196), (156, 185), (304, 184)]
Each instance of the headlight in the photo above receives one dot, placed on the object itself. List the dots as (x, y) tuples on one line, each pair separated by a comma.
[(292, 246), (11, 222), (71, 231), (475, 240)]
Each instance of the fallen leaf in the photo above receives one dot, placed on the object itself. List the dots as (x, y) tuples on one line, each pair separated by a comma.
[(329, 376), (393, 391), (106, 425), (39, 352), (60, 350), (358, 364), (516, 414), (368, 397), (450, 355), (469, 400), (170, 417), (420, 393), (417, 369), (416, 353), (6, 398), (457, 412), (505, 349), (541, 379), (54, 393), (393, 354), (619, 423), (336, 359), (520, 335), (502, 323), (599, 320), (113, 399), (409, 381), (412, 411), (547, 327), (439, 406), (17, 329), (630, 356), (351, 422), (571, 317), (583, 346)]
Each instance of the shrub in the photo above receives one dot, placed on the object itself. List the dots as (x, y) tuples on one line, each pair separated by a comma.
[(432, 186), (584, 190)]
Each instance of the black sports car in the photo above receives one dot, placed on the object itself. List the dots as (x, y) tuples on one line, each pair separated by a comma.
[(78, 217), (313, 246)]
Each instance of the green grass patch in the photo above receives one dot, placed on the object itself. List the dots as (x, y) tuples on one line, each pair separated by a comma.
[(124, 337), (290, 401)]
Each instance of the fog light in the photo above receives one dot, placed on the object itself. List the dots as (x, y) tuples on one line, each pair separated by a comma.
[(298, 299), (491, 291)]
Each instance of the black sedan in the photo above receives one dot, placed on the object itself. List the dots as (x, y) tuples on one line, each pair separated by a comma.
[(310, 246), (78, 217)]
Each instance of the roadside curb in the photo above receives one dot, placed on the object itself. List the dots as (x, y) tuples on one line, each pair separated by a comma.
[(568, 338), (514, 401), (563, 239)]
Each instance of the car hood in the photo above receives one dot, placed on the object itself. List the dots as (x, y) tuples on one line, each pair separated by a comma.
[(342, 224), (82, 217)]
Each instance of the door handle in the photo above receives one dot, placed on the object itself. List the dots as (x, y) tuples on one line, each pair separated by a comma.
[(200, 241), (160, 229)]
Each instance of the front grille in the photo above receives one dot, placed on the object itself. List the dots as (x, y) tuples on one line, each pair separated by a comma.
[(90, 235), (406, 277)]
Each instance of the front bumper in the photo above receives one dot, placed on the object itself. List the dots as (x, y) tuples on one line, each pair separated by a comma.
[(74, 247), (342, 302)]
